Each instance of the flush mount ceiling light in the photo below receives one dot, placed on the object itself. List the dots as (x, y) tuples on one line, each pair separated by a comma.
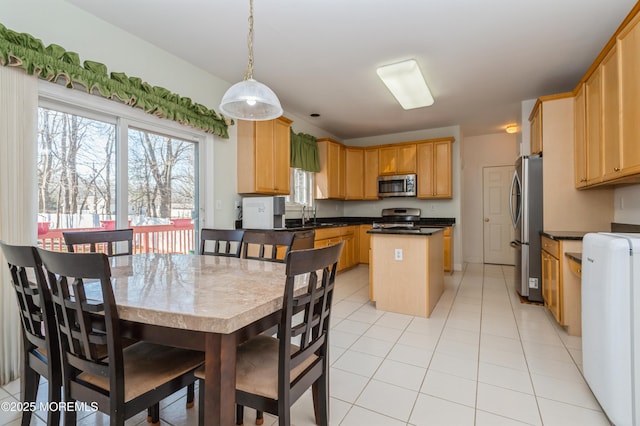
[(250, 99), (512, 128), (406, 83)]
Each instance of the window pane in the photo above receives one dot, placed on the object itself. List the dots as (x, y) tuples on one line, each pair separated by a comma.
[(76, 172), (162, 191), (301, 192)]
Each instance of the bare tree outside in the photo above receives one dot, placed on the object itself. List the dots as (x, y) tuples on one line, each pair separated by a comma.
[(77, 173)]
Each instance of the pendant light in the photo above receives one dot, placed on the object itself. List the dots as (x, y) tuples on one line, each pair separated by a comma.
[(250, 99)]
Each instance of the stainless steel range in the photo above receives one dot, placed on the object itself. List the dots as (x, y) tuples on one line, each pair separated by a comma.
[(404, 218)]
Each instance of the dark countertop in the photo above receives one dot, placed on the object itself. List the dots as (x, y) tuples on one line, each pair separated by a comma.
[(331, 222), (577, 257), (400, 231), (564, 235)]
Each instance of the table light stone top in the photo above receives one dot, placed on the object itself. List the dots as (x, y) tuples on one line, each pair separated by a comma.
[(202, 293)]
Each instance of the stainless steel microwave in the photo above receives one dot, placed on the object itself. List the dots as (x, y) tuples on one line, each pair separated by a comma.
[(397, 186)]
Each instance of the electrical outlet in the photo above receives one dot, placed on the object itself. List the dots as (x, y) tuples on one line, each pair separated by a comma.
[(398, 254)]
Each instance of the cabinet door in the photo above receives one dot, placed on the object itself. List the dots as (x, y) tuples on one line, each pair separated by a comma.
[(610, 116), (282, 155), (387, 161), (364, 242), (442, 170), (536, 132), (629, 51), (446, 243), (580, 139), (551, 285), (264, 156), (335, 170), (406, 159), (426, 160), (593, 97), (371, 174), (354, 170)]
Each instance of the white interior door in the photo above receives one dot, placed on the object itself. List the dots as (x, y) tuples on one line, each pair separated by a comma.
[(498, 230)]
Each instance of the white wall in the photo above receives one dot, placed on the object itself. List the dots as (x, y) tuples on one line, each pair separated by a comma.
[(499, 149), (627, 204)]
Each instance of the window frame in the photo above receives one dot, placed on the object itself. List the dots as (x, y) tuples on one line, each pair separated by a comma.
[(297, 207), (60, 98)]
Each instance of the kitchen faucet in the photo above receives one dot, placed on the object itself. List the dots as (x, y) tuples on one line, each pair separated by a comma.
[(304, 208)]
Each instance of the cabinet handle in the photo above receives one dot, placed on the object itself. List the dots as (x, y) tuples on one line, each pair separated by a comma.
[(583, 180), (616, 169)]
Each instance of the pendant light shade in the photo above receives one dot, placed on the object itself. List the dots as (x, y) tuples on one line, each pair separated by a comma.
[(250, 99)]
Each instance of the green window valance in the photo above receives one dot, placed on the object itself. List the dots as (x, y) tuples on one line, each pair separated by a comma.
[(55, 64), (304, 152)]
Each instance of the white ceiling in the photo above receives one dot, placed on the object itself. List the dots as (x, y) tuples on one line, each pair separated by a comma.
[(481, 58)]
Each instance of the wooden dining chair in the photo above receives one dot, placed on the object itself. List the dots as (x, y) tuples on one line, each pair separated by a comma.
[(264, 245), (225, 242), (108, 239), (129, 379), (41, 351), (272, 373)]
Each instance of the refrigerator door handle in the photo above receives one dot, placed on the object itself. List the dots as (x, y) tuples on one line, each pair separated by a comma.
[(515, 244), (514, 218)]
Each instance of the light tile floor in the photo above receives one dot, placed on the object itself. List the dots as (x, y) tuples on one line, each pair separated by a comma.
[(483, 358)]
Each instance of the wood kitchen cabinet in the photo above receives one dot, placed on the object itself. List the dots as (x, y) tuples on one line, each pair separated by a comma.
[(560, 287), (370, 174), (354, 172), (330, 181), (397, 159), (447, 245), (263, 156), (434, 169), (629, 89), (593, 114), (330, 236), (580, 138), (364, 244), (536, 129)]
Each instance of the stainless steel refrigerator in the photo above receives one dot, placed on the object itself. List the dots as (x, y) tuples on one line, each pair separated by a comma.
[(526, 215)]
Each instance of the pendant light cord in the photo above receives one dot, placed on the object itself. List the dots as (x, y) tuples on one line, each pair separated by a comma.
[(248, 74)]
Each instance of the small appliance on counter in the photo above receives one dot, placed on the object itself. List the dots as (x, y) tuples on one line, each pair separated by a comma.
[(263, 212)]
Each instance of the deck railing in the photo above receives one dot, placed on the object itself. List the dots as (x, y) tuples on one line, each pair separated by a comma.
[(146, 239)]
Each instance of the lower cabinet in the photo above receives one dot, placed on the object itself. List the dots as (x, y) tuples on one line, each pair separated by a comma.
[(364, 243), (447, 243), (560, 286), (330, 236)]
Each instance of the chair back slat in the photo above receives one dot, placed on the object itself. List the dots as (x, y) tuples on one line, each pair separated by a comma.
[(266, 242), (226, 242), (83, 332), (107, 241), (24, 261), (307, 315)]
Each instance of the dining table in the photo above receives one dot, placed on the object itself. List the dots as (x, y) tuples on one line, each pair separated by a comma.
[(207, 303)]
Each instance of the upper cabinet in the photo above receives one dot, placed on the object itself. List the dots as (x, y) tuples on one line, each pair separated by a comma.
[(371, 173), (397, 159), (263, 156), (536, 129), (354, 171), (330, 181), (434, 168), (607, 105), (629, 90)]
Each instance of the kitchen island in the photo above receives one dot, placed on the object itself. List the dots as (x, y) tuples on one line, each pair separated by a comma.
[(406, 269)]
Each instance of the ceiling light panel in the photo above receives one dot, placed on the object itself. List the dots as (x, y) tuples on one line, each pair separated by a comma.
[(406, 83)]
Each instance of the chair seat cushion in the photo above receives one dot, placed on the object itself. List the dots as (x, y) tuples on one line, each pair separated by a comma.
[(147, 366), (257, 366)]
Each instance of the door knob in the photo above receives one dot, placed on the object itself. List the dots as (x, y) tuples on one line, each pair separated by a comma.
[(486, 219)]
